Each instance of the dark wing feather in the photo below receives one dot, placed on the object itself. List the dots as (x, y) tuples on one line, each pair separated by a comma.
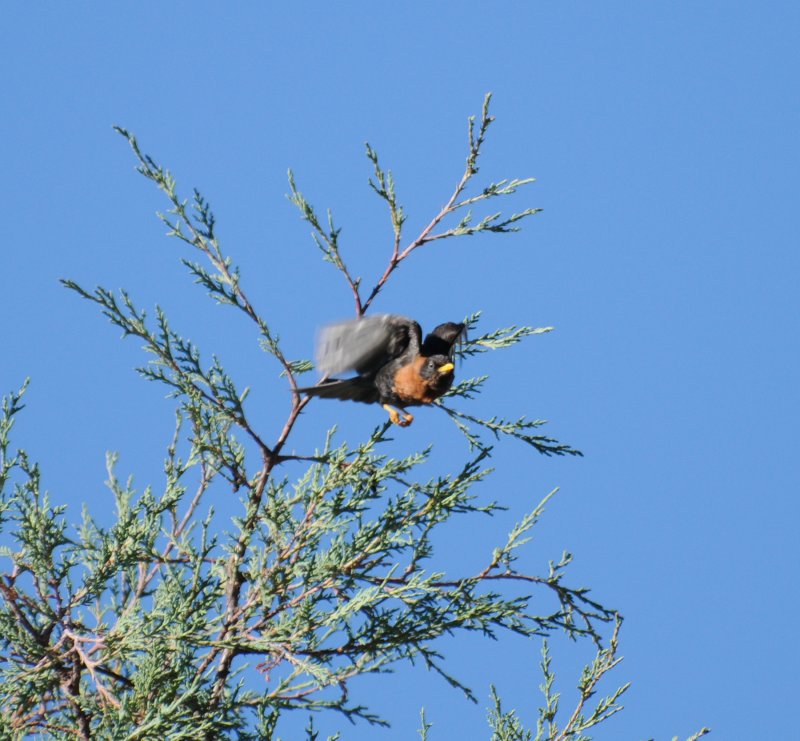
[(443, 339), (365, 345)]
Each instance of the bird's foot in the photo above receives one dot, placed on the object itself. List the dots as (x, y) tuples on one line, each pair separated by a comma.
[(399, 417)]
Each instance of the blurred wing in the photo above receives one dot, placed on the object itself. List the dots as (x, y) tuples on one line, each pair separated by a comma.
[(364, 345)]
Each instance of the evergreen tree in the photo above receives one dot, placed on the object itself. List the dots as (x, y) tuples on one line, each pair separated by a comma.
[(156, 626)]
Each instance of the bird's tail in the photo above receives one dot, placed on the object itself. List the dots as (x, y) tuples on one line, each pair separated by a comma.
[(349, 389)]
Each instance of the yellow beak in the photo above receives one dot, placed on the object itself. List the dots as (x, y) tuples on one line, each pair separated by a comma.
[(446, 368)]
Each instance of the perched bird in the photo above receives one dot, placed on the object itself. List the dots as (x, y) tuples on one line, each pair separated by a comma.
[(394, 366)]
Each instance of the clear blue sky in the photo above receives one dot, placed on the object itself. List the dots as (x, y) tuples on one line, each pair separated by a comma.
[(664, 137)]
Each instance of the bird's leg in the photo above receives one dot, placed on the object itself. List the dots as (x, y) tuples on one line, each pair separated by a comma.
[(395, 416)]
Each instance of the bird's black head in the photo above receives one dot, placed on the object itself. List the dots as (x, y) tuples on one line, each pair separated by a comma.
[(437, 370), (441, 340)]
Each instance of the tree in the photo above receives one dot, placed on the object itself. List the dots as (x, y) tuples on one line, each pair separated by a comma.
[(156, 626)]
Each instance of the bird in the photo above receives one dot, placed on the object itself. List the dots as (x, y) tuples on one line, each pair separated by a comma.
[(394, 366)]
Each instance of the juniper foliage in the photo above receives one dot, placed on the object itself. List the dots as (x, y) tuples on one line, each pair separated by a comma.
[(164, 626)]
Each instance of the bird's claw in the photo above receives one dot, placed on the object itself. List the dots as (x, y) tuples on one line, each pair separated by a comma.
[(405, 420), (396, 418)]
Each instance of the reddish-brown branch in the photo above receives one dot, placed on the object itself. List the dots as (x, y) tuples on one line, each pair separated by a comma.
[(398, 257)]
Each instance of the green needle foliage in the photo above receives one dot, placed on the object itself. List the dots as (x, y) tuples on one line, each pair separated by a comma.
[(163, 625)]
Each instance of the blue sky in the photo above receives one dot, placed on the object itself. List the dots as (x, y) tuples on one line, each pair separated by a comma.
[(663, 137)]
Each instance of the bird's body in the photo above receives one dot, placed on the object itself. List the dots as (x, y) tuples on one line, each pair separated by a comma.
[(395, 367)]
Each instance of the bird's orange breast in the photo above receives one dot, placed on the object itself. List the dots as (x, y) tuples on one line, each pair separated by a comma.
[(410, 386)]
